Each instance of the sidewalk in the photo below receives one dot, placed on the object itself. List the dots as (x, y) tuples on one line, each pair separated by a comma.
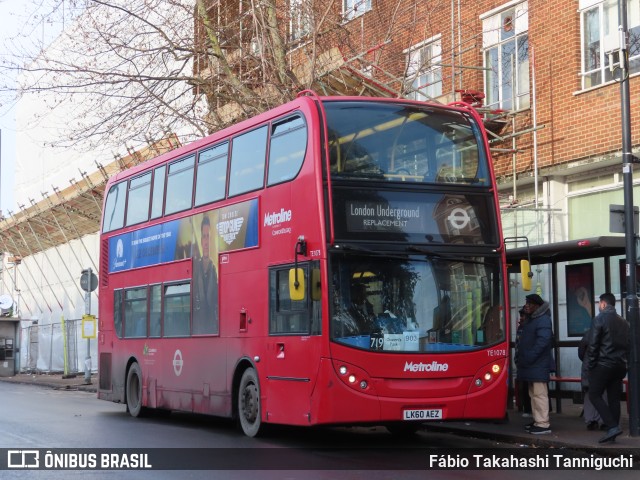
[(568, 428), (55, 380), (568, 431)]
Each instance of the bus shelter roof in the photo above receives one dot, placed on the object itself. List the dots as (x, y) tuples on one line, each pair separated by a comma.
[(582, 249)]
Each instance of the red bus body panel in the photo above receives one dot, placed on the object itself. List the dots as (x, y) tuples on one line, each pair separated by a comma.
[(299, 379)]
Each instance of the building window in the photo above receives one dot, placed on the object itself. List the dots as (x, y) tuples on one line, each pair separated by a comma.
[(506, 57), (424, 73), (300, 19), (600, 40), (354, 8)]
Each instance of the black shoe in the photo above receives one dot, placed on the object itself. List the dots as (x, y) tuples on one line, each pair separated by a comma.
[(528, 426), (536, 430), (592, 425), (611, 435)]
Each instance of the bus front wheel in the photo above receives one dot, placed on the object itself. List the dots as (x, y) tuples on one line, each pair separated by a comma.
[(249, 411), (134, 391)]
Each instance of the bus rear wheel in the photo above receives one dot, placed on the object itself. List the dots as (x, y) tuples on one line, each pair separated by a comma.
[(133, 390), (249, 410)]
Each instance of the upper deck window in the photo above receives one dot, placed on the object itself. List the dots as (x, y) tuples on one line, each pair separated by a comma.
[(138, 203), (212, 174), (404, 143), (114, 207), (157, 199), (248, 156), (288, 146), (179, 185)]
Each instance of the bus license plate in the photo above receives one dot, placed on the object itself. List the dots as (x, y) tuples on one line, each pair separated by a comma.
[(433, 414)]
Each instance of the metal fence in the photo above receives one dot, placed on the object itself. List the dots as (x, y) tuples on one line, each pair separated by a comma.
[(55, 347)]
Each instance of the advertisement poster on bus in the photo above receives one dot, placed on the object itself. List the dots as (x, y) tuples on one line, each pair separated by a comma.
[(232, 227)]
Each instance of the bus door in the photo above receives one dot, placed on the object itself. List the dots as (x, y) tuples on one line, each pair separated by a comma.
[(293, 350)]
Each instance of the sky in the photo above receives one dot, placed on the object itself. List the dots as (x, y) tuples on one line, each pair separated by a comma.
[(8, 28), (14, 15)]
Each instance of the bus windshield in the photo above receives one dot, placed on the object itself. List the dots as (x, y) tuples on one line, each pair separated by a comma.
[(405, 142), (391, 304)]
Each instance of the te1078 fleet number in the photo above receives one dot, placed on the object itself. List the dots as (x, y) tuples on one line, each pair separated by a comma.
[(497, 352)]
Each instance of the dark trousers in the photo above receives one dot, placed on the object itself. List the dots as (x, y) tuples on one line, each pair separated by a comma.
[(607, 379)]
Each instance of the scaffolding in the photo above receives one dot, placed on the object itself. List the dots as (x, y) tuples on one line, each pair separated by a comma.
[(57, 219)]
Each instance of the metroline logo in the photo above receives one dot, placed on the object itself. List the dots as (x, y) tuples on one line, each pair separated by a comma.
[(274, 218), (426, 367)]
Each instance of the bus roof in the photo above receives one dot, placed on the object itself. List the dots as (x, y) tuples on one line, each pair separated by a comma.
[(300, 102)]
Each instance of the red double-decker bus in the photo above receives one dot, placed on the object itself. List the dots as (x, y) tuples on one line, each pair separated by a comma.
[(335, 260)]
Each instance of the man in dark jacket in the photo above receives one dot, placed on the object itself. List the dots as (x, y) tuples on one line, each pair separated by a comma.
[(607, 356), (534, 358)]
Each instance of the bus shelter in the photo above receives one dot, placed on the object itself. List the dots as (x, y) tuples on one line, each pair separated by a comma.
[(591, 266)]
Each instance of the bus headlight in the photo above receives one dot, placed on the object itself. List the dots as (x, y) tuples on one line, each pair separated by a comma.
[(354, 377), (488, 374)]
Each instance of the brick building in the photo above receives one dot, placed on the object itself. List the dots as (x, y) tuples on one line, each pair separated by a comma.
[(538, 70)]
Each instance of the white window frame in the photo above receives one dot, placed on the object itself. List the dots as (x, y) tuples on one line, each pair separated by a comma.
[(424, 71), (496, 42), (300, 20), (597, 54), (354, 8)]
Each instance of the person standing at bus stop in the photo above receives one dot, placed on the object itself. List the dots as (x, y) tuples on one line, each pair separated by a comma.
[(205, 285), (522, 387), (533, 359), (607, 356)]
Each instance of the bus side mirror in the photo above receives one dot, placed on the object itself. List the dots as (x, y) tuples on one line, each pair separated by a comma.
[(296, 284), (316, 291), (526, 275)]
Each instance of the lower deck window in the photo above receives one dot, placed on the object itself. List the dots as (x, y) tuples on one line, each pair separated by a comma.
[(177, 310)]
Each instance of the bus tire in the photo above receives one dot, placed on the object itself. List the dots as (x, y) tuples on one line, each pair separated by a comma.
[(134, 391), (249, 408)]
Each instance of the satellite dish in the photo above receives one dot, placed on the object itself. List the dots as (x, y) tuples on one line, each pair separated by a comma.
[(6, 302)]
